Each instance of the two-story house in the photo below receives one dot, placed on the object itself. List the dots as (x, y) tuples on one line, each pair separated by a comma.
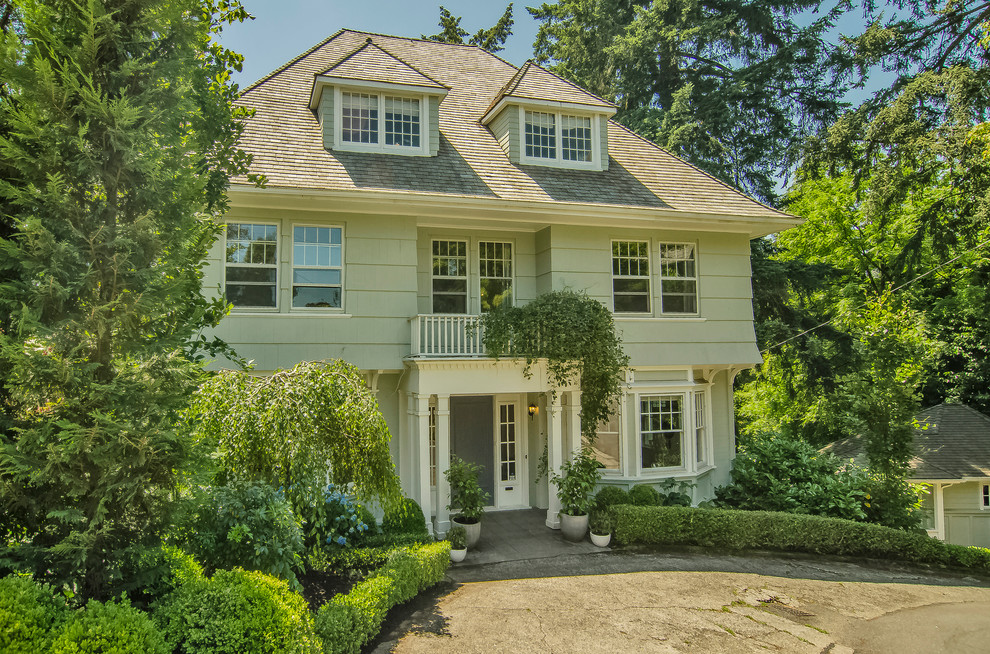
[(412, 186)]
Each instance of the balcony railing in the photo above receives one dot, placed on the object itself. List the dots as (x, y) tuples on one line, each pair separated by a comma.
[(446, 335)]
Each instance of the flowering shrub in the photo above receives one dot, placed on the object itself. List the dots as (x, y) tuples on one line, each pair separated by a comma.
[(332, 519)]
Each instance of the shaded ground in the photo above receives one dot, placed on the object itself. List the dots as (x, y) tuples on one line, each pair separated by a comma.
[(692, 601), (319, 587)]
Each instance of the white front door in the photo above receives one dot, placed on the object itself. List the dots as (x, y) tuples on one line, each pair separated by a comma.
[(511, 486)]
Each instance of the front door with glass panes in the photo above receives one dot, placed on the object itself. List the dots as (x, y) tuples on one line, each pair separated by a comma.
[(511, 487)]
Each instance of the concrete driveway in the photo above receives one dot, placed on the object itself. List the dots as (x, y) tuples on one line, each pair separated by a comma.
[(795, 605)]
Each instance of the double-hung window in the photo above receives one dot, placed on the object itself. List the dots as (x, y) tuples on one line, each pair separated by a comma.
[(700, 425), (631, 276), (985, 496), (606, 448), (450, 276), (557, 137), (317, 267), (378, 121), (251, 265), (678, 278), (661, 431), (495, 264)]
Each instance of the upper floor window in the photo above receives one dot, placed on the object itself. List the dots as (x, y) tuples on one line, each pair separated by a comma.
[(317, 267), (495, 263), (450, 276), (381, 122), (565, 139), (631, 276), (678, 278), (251, 265)]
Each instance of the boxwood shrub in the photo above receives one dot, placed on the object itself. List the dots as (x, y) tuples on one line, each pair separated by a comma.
[(790, 532), (347, 622), (29, 615), (110, 628), (236, 612)]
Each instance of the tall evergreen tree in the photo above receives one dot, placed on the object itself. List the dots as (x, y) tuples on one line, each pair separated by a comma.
[(117, 139), (492, 39)]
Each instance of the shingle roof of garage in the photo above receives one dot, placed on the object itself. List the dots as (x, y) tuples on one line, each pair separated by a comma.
[(953, 442), (284, 137)]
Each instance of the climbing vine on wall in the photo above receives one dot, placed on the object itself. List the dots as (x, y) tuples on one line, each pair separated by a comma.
[(298, 429), (576, 336)]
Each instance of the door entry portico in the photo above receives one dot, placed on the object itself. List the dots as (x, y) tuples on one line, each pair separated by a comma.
[(471, 435)]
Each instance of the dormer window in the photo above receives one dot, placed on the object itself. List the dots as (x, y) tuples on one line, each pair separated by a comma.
[(559, 139), (380, 122)]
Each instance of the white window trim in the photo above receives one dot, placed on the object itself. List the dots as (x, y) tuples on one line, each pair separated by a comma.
[(661, 278), (476, 250), (279, 241), (424, 123), (649, 313), (558, 161), (709, 461), (467, 277), (619, 472), (980, 488), (292, 268), (689, 464)]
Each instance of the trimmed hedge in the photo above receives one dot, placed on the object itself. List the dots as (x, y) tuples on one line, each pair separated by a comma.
[(111, 628), (790, 532), (29, 615), (347, 622)]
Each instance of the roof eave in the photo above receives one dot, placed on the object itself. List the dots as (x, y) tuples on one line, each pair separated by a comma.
[(536, 103), (320, 83)]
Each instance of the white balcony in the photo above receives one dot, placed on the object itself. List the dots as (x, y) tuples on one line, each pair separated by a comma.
[(446, 335)]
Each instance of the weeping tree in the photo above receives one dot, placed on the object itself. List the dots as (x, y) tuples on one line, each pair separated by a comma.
[(298, 429)]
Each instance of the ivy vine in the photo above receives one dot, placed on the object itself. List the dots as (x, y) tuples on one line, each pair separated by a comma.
[(576, 336)]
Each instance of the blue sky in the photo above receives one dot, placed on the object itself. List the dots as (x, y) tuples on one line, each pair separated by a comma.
[(283, 29)]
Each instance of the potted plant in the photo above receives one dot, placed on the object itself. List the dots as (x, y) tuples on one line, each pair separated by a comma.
[(600, 524), (467, 497), (575, 488), (458, 543)]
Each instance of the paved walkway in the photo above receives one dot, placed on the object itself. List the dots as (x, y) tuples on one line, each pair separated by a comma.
[(520, 536)]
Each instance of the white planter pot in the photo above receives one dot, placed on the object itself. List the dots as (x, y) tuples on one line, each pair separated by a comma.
[(601, 540), (473, 530), (574, 527), (458, 555)]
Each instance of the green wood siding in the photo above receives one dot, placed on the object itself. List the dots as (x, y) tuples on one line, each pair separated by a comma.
[(505, 127), (603, 139), (434, 118), (326, 117)]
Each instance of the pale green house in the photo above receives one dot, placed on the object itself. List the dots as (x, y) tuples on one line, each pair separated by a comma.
[(411, 186)]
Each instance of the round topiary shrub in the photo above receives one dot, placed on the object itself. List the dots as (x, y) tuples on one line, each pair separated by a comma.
[(237, 612), (643, 495), (111, 628), (157, 571), (404, 519), (29, 614), (610, 496)]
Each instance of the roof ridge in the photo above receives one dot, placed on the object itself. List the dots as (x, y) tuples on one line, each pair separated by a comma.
[(516, 76), (402, 61), (295, 59), (703, 172)]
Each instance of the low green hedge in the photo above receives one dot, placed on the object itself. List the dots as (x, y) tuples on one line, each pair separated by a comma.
[(790, 532), (349, 621), (30, 615), (110, 628)]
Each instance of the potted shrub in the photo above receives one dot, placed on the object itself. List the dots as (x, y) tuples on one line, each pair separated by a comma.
[(466, 497), (575, 488), (458, 543), (600, 524)]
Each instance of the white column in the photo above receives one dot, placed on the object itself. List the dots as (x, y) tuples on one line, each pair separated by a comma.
[(555, 455), (443, 463), (420, 410), (939, 512), (574, 406)]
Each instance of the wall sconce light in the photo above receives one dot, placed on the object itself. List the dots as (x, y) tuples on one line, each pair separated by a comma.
[(533, 410)]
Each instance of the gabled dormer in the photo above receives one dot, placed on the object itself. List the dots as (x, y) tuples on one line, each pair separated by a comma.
[(372, 101), (542, 119)]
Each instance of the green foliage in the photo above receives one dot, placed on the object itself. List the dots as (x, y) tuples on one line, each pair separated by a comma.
[(291, 427), (577, 337), (466, 495), (492, 39), (335, 520), (117, 138), (405, 518), (245, 524), (733, 88), (110, 628), (347, 622), (237, 612), (30, 615), (158, 571), (457, 537), (577, 481), (645, 495), (765, 530), (600, 521), (610, 496)]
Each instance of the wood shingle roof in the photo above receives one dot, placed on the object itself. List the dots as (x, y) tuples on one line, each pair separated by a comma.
[(285, 138)]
